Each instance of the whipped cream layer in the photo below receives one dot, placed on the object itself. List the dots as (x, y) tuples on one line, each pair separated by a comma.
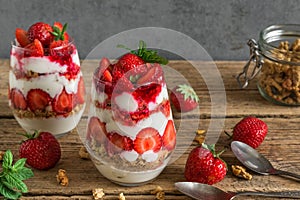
[(42, 65)]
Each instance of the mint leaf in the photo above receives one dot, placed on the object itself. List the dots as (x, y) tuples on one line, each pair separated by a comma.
[(7, 160), (8, 193), (24, 173), (12, 182), (19, 164)]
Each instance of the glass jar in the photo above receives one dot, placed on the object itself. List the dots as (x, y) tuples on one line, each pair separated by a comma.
[(277, 58)]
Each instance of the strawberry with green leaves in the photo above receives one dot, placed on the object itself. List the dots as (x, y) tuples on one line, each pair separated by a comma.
[(184, 98), (204, 165), (12, 177), (41, 149)]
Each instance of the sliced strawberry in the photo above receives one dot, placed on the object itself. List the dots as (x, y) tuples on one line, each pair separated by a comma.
[(60, 27), (42, 32), (18, 99), (96, 130), (61, 48), (107, 76), (22, 37), (123, 84), (80, 92), (63, 103), (38, 99), (165, 108), (169, 136), (118, 143), (34, 49), (147, 139), (153, 75)]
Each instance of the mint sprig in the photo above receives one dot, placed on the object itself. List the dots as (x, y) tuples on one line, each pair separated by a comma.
[(59, 34), (12, 177), (147, 55)]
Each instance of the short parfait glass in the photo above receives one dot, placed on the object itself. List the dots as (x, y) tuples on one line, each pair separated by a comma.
[(130, 133), (46, 92)]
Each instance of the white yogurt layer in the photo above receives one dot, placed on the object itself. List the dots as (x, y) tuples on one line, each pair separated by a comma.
[(40, 64), (150, 156), (58, 126), (51, 83), (126, 102)]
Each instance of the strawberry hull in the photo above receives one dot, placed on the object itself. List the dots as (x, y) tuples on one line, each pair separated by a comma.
[(138, 115), (52, 87)]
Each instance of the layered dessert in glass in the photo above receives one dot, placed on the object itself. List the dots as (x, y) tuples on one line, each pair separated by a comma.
[(46, 87), (130, 133)]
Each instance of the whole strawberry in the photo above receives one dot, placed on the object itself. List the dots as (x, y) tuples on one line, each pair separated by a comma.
[(42, 32), (42, 150), (251, 131), (184, 98), (204, 165)]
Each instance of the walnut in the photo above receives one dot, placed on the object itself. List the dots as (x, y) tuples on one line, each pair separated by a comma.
[(160, 194), (121, 196), (1, 155), (199, 138), (62, 178), (98, 193), (200, 132), (240, 171), (83, 153)]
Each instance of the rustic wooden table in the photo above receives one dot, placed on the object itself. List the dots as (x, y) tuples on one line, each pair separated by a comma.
[(281, 145)]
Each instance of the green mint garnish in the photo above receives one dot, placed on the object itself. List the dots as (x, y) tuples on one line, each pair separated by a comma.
[(147, 55), (12, 177), (59, 34)]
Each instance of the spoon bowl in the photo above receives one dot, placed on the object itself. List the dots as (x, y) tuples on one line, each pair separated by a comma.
[(256, 161), (208, 192)]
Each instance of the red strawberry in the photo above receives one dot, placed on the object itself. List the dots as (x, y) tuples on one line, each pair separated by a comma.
[(204, 166), (61, 48), (169, 136), (42, 32), (34, 49), (123, 84), (184, 98), (126, 63), (118, 143), (80, 92), (38, 99), (22, 37), (153, 74), (17, 99), (165, 108), (63, 104), (41, 150), (96, 129), (251, 131), (64, 35), (147, 139)]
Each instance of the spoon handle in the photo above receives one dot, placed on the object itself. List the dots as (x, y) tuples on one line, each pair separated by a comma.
[(286, 194), (281, 172)]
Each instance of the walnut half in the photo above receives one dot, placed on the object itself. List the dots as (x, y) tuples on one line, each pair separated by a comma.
[(240, 171)]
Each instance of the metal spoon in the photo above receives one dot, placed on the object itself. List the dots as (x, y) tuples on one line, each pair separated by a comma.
[(207, 192), (255, 161)]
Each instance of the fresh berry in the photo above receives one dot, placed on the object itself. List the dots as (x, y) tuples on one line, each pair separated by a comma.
[(184, 98), (123, 84), (80, 95), (61, 48), (153, 74), (41, 150), (251, 131), (117, 143), (17, 99), (204, 165), (165, 108), (147, 139), (63, 104), (107, 76), (126, 63), (96, 130), (42, 32), (34, 49), (169, 136), (38, 99), (22, 37)]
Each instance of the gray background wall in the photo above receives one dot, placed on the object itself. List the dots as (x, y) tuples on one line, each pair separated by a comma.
[(221, 27)]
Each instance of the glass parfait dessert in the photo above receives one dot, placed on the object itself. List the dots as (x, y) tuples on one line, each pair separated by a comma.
[(130, 133), (46, 88)]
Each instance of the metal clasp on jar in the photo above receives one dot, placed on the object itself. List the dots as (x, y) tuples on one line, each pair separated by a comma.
[(243, 78)]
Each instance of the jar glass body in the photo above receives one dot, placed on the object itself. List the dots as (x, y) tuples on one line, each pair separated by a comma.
[(279, 80)]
